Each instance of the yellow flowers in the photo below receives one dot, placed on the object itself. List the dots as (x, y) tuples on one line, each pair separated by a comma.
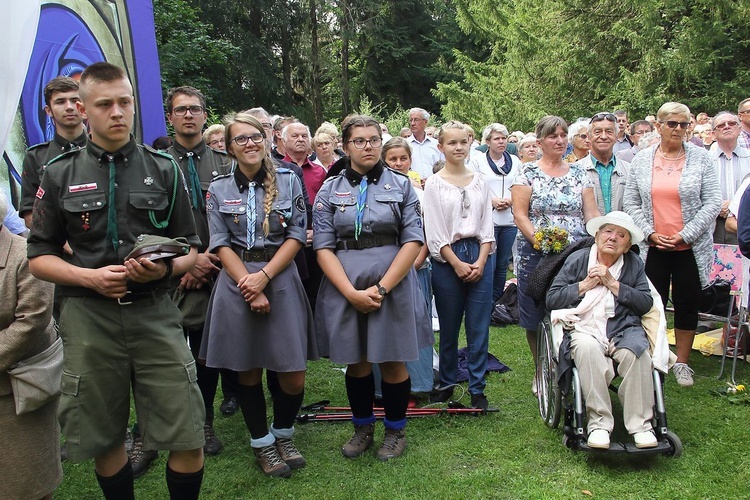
[(551, 239)]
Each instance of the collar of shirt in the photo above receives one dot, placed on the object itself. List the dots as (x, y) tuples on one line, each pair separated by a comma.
[(373, 176), (427, 139), (66, 145), (304, 164), (102, 156), (596, 163), (242, 180), (198, 150)]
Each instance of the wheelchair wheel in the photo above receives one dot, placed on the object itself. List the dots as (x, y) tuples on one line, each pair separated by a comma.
[(548, 393), (675, 443)]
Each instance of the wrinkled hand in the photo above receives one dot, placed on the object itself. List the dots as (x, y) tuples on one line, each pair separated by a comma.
[(252, 285), (588, 283), (260, 304), (110, 281), (145, 270), (724, 212), (366, 301), (602, 272)]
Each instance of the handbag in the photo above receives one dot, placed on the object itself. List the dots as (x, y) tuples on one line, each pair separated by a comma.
[(36, 380), (715, 298)]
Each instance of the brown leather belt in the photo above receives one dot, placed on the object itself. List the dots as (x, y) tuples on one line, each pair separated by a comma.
[(128, 299), (367, 241), (259, 255)]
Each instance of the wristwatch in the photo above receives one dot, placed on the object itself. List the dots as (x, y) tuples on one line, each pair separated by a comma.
[(381, 290)]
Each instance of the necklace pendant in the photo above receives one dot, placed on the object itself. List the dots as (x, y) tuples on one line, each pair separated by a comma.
[(236, 219), (342, 208)]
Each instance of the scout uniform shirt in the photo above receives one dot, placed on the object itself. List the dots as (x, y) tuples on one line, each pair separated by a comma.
[(227, 207), (207, 164), (36, 161), (74, 201)]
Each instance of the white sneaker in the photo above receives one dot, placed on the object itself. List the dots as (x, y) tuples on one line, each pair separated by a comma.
[(599, 438), (645, 439), (683, 374)]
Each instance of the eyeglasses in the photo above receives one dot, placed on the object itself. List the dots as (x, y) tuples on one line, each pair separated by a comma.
[(267, 126), (638, 132), (675, 124), (216, 142), (241, 140), (182, 110), (729, 124), (360, 143), (582, 136), (604, 115), (744, 112)]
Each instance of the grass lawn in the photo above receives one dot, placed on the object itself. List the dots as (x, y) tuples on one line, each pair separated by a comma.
[(510, 454)]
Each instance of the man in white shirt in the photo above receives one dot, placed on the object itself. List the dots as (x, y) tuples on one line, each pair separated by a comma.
[(424, 150), (732, 164)]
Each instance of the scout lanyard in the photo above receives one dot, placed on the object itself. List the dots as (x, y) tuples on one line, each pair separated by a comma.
[(361, 199)]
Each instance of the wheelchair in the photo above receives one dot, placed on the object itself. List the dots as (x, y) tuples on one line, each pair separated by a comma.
[(571, 407)]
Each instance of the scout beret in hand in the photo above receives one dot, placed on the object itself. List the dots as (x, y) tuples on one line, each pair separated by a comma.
[(155, 247)]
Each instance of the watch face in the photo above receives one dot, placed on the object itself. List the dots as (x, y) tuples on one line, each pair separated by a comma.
[(382, 290)]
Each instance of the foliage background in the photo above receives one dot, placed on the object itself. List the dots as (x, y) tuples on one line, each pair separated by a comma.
[(474, 60)]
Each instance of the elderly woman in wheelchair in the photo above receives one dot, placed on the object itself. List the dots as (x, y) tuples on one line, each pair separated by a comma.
[(599, 296)]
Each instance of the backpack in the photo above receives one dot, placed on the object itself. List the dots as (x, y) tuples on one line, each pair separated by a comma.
[(505, 310)]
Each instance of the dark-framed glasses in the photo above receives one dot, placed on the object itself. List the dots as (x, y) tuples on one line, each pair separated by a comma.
[(216, 142), (182, 110), (604, 115), (674, 124), (729, 124), (241, 140), (360, 143)]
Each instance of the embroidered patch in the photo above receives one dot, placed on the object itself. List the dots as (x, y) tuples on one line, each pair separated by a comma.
[(233, 202), (342, 195), (299, 204), (148, 181), (209, 206), (82, 187), (208, 196), (40, 192), (418, 208), (319, 206)]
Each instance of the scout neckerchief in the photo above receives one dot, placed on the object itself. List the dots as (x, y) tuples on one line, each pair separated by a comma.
[(252, 214), (507, 166), (196, 193), (111, 209), (361, 199)]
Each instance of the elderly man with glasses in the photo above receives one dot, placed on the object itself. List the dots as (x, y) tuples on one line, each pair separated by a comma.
[(608, 173), (732, 164)]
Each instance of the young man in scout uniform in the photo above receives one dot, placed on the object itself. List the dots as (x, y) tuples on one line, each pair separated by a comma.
[(186, 112), (117, 319), (60, 98)]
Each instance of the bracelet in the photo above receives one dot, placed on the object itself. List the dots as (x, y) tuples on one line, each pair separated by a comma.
[(264, 272)]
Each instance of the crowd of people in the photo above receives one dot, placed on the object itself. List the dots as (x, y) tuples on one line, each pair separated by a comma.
[(340, 245)]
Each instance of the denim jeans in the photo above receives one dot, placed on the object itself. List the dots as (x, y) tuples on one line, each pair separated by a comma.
[(505, 236), (453, 298)]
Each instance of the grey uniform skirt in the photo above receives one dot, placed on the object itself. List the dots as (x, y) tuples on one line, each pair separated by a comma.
[(395, 332), (234, 337)]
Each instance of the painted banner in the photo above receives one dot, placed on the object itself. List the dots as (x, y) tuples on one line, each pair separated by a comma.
[(72, 34)]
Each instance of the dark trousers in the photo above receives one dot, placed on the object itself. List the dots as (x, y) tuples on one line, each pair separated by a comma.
[(680, 269)]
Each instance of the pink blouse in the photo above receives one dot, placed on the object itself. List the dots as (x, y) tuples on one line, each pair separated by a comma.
[(452, 213)]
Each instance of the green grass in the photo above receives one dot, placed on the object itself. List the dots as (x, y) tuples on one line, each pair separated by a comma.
[(510, 454)]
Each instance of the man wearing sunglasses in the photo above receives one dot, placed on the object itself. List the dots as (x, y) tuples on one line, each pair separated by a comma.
[(743, 112), (732, 164), (608, 173)]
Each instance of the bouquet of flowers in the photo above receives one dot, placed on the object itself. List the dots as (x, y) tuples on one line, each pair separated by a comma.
[(551, 239)]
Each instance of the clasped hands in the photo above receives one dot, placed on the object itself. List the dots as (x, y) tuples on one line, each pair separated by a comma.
[(112, 281), (251, 287), (367, 300), (598, 275), (664, 242)]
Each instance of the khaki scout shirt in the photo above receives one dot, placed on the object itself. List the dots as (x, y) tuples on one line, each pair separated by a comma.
[(73, 199), (36, 160), (209, 164)]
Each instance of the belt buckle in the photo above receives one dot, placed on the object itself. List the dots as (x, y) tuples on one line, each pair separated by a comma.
[(120, 301), (369, 242)]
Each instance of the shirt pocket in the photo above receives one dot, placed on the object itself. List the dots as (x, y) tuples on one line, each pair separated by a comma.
[(387, 207), (142, 202), (344, 212), (235, 218), (281, 211), (85, 211)]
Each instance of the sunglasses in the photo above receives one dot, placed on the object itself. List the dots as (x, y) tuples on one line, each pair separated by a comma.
[(604, 115), (674, 124), (730, 124)]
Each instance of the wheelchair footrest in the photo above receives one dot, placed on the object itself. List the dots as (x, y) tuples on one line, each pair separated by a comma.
[(614, 447)]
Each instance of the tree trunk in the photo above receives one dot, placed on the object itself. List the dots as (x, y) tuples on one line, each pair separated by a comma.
[(345, 30), (316, 87)]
